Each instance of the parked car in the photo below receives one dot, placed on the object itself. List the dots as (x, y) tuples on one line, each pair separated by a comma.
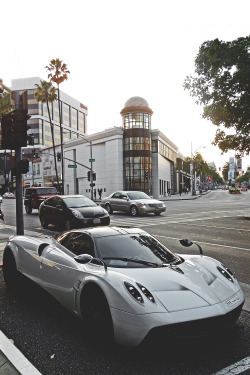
[(124, 284), (243, 188), (133, 202), (9, 195), (72, 211), (34, 196)]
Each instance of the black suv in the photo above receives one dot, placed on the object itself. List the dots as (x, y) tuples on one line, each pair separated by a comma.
[(34, 196)]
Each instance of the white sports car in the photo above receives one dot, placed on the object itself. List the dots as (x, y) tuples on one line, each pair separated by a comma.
[(124, 284)]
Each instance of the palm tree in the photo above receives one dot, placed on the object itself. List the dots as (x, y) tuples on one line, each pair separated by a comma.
[(46, 93), (58, 73)]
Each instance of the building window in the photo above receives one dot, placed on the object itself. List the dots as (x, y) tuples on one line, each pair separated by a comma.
[(137, 120), (65, 115), (81, 122), (47, 134), (137, 173), (73, 118), (137, 143)]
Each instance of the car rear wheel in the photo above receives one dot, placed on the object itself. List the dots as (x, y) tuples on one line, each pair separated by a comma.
[(134, 211), (108, 208), (97, 320), (12, 277), (28, 209), (44, 222)]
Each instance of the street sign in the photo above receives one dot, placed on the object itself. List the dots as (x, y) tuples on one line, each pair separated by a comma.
[(72, 166), (91, 160)]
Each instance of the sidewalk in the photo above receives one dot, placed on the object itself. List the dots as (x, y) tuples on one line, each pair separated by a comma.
[(12, 361)]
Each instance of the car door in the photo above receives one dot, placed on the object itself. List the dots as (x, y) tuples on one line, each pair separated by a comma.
[(48, 210), (115, 201), (60, 211), (61, 274)]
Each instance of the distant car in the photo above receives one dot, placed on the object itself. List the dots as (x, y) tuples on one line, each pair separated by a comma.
[(34, 196), (133, 202), (72, 211), (243, 188), (9, 195), (125, 285)]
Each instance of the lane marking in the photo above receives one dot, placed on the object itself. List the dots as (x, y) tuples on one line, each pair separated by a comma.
[(236, 368), (214, 226)]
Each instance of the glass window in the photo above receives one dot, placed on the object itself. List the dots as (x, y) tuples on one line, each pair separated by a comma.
[(65, 115), (78, 243), (47, 134), (74, 118), (81, 122)]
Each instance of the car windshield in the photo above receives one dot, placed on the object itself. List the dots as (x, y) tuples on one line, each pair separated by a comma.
[(74, 202), (137, 195), (47, 191), (134, 251)]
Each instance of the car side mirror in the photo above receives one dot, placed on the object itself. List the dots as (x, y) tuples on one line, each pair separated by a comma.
[(86, 258), (186, 242)]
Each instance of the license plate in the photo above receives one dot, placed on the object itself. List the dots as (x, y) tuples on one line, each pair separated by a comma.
[(233, 301), (96, 221)]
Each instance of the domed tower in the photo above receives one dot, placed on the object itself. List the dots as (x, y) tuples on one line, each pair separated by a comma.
[(137, 154)]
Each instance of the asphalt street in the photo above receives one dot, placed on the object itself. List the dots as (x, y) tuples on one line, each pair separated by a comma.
[(66, 352)]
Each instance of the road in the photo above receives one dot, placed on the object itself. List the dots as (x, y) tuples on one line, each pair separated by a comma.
[(53, 342)]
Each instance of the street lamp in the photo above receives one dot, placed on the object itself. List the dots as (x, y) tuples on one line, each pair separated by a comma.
[(192, 169), (91, 163)]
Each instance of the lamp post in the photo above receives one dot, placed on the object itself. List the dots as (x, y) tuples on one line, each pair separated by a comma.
[(91, 163), (192, 169)]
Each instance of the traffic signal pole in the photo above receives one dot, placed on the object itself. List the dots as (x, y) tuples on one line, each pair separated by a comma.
[(19, 188)]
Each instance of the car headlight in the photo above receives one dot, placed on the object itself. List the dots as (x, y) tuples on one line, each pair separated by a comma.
[(143, 205), (77, 214), (226, 273), (136, 294)]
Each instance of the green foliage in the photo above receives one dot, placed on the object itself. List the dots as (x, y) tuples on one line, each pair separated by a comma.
[(245, 177), (225, 170), (222, 86), (58, 71)]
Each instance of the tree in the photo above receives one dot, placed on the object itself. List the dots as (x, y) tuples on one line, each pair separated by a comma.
[(58, 74), (46, 93), (222, 86)]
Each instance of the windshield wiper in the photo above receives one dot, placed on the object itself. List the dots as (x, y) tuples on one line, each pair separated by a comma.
[(127, 259)]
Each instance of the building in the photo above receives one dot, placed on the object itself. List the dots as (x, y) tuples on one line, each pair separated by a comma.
[(74, 123), (131, 157)]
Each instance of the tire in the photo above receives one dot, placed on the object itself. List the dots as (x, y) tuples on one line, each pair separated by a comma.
[(108, 208), (97, 320), (44, 222), (157, 213), (13, 279), (134, 211), (28, 209), (68, 225)]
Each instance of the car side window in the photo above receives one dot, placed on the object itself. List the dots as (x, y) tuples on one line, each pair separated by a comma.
[(51, 202), (58, 202), (78, 243), (116, 195)]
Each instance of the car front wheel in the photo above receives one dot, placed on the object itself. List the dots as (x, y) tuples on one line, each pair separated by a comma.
[(134, 211), (97, 320), (108, 208)]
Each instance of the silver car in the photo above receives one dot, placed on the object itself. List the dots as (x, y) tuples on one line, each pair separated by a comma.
[(133, 202)]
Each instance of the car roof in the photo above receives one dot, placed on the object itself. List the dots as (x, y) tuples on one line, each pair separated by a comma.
[(107, 231)]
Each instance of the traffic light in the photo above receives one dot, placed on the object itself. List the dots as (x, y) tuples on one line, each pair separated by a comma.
[(6, 125), (94, 176), (59, 156), (146, 174), (23, 166), (14, 129), (19, 127), (89, 175)]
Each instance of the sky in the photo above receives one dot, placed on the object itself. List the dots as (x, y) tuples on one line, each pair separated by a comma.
[(117, 49)]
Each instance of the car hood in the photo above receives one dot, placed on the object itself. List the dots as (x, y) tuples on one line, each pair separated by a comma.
[(148, 201), (188, 286), (45, 196), (90, 211)]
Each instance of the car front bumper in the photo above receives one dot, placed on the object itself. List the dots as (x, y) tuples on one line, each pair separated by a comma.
[(91, 222), (131, 329), (151, 210)]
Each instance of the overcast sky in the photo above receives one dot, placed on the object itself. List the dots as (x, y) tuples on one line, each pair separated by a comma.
[(116, 49)]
